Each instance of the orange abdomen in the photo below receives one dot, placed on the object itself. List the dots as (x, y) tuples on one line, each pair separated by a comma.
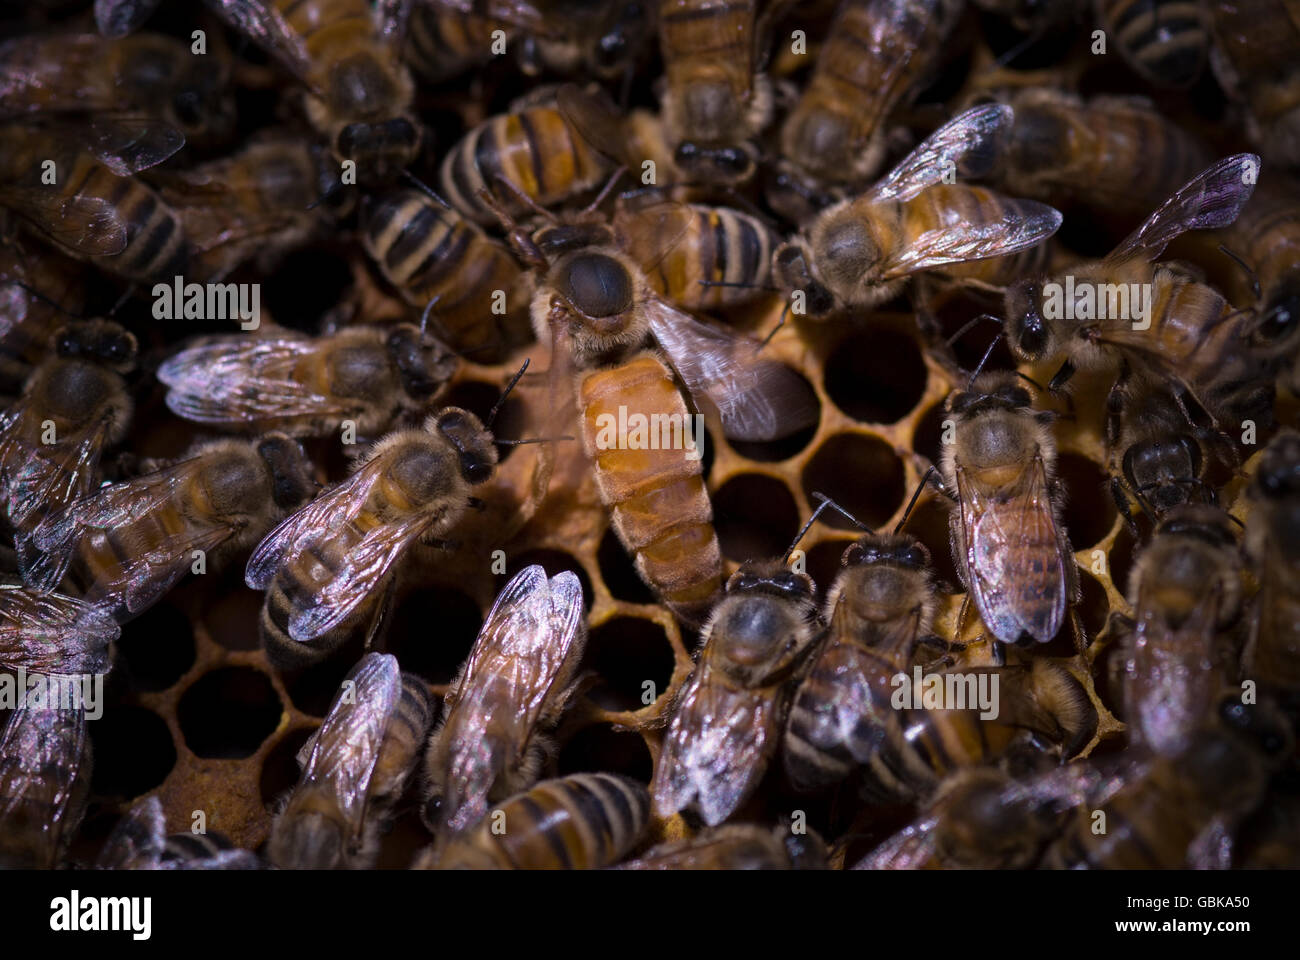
[(658, 503)]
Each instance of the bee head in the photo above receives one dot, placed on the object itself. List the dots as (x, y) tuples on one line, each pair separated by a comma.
[(791, 265), (1278, 475), (423, 363), (100, 341), (726, 165), (1163, 470), (1028, 333), (896, 549), (1208, 524), (472, 442), (996, 390), (617, 41), (380, 150), (772, 578), (292, 482), (1262, 724)]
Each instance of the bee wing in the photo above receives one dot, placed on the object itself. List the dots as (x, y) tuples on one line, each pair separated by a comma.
[(1013, 553), (15, 449), (716, 748), (128, 144), (347, 744), (51, 633), (266, 26), (231, 380), (312, 523), (911, 848), (758, 399), (90, 226), (976, 129), (649, 232), (118, 18), (144, 579), (58, 473), (391, 18), (137, 841), (595, 118), (363, 572), (1018, 224), (40, 761), (1210, 200)]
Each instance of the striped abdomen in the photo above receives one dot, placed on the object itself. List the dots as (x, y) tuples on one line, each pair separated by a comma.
[(428, 251), (297, 583), (581, 822), (659, 506), (403, 741), (535, 150), (443, 42), (720, 245), (952, 206), (707, 41), (328, 26), (1166, 41)]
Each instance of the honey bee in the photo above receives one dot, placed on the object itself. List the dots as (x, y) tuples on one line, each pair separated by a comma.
[(736, 846), (1110, 153), (1158, 456), (354, 770), (727, 721), (514, 686), (45, 761), (875, 57), (432, 255), (584, 821), (128, 543), (1186, 591), (329, 567), (1009, 546), (73, 407), (696, 256), (140, 842), (1273, 651), (257, 204), (715, 101), (346, 53), (598, 310), (1166, 42), (879, 609), (861, 251), (1254, 59), (49, 633), (534, 152), (148, 74), (95, 210), (37, 294), (1187, 333), (306, 386), (1172, 812)]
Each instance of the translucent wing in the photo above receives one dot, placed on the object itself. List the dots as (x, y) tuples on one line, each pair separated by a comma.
[(596, 119), (90, 226), (58, 473), (314, 522), (1013, 554), (364, 572), (912, 848), (1018, 224), (1210, 200), (716, 748), (127, 145), (651, 231), (137, 841), (16, 449), (347, 745), (111, 507), (266, 26), (968, 132), (532, 634), (51, 633), (758, 399), (41, 754), (117, 18), (237, 379)]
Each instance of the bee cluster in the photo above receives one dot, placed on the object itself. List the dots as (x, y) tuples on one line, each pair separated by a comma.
[(852, 433)]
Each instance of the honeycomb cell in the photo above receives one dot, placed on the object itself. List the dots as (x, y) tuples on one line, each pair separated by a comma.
[(602, 747), (776, 450), (876, 375), (157, 648), (618, 572), (479, 398), (824, 563), (1089, 511), (1121, 558), (552, 561), (755, 517), (930, 522), (627, 653), (133, 751), (1094, 606), (307, 284), (859, 472), (432, 632), (228, 712), (927, 438)]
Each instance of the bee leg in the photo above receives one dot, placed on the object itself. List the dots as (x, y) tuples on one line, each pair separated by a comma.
[(1081, 641), (379, 622), (999, 651), (1122, 504), (1060, 378)]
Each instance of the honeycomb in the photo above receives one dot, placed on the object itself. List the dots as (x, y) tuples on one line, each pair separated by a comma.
[(198, 718)]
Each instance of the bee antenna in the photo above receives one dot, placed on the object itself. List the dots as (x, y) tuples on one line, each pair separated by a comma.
[(741, 284), (970, 323), (831, 503), (425, 188), (930, 471), (126, 295), (983, 360), (334, 188), (1030, 380), (614, 178), (1254, 279), (424, 317), (496, 408), (514, 190), (804, 529), (40, 296), (779, 324), (515, 443)]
